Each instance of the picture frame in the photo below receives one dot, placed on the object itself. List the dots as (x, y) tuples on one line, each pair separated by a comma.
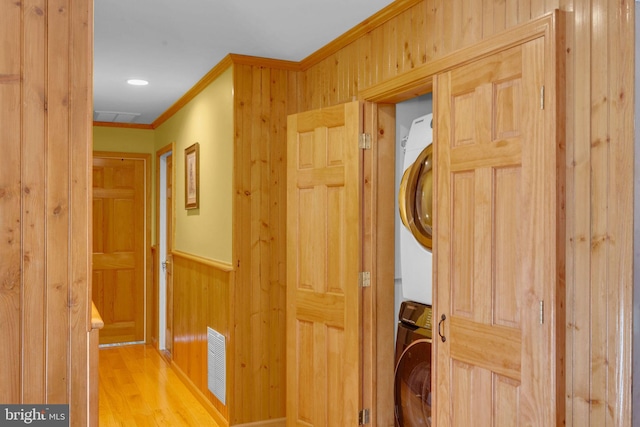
[(192, 177)]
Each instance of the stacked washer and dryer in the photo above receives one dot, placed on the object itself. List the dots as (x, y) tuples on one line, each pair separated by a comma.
[(414, 334)]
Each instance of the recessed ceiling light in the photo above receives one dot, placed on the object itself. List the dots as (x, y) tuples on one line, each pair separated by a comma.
[(137, 82)]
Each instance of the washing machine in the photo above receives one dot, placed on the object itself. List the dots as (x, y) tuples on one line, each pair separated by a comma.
[(415, 205), (412, 383)]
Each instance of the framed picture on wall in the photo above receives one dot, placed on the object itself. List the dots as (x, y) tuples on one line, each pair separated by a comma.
[(192, 176)]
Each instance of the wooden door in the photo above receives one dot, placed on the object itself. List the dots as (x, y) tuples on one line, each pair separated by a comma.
[(323, 263), (118, 247), (168, 263), (496, 241)]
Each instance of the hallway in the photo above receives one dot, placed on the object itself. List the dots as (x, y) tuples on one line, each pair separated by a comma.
[(139, 388)]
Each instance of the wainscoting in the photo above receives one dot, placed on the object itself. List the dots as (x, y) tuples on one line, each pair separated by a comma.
[(201, 300)]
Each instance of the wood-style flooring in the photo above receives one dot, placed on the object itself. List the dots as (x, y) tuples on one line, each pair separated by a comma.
[(139, 388)]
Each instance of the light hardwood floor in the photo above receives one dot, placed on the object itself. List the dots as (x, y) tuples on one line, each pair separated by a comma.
[(139, 388)]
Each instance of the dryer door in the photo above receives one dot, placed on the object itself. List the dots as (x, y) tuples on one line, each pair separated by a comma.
[(416, 197), (412, 387)]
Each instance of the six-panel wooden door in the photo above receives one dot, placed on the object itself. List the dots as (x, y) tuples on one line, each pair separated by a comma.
[(496, 241), (118, 247), (323, 262)]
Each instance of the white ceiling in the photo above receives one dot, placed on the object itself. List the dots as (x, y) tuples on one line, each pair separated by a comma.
[(174, 43)]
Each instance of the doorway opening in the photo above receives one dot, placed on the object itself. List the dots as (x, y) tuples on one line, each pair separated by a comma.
[(165, 227)]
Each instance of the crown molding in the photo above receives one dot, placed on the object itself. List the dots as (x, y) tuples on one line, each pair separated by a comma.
[(366, 26)]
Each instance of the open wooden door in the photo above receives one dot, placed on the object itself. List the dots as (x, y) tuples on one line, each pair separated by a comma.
[(324, 242), (497, 230)]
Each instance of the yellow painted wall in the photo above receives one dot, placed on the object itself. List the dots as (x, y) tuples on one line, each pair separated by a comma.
[(207, 120), (124, 140)]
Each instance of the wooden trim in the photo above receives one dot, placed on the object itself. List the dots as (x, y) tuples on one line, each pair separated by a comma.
[(204, 82), (257, 61), (418, 81), (357, 32), (220, 265), (96, 319), (206, 403), (280, 422), (124, 125), (161, 152)]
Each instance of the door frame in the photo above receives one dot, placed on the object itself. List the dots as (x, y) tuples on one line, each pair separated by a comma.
[(148, 270), (378, 310), (160, 291)]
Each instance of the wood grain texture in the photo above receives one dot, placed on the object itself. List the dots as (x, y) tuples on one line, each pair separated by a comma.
[(121, 204), (138, 387), (586, 211), (45, 99), (263, 98), (201, 294)]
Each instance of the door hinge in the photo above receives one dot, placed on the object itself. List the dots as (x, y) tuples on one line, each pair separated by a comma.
[(364, 279), (542, 97), (364, 141), (363, 417), (542, 312)]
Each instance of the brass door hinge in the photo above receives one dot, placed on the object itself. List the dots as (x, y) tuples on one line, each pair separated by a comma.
[(364, 279), (364, 141), (363, 417)]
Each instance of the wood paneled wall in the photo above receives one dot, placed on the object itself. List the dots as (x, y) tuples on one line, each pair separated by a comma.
[(599, 173), (599, 176), (45, 116), (246, 304), (264, 96), (201, 293)]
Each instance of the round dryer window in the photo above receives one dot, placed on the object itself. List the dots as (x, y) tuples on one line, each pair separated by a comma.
[(413, 386), (416, 198)]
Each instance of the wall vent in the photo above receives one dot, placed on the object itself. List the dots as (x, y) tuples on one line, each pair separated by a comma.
[(115, 116), (216, 364)]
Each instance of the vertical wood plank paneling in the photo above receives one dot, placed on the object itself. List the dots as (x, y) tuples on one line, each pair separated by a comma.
[(364, 61), (200, 291), (10, 235), (570, 241), (430, 31), (419, 31), (277, 255), (259, 249), (34, 148), (377, 55), (404, 61), (619, 264), (390, 63), (511, 13), (57, 210), (579, 282), (45, 99), (597, 257), (599, 152), (242, 240), (524, 10), (83, 404)]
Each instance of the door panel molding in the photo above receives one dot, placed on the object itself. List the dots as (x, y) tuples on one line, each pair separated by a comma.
[(123, 260)]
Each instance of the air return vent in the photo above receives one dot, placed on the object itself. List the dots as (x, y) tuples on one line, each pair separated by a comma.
[(115, 116), (216, 363)]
